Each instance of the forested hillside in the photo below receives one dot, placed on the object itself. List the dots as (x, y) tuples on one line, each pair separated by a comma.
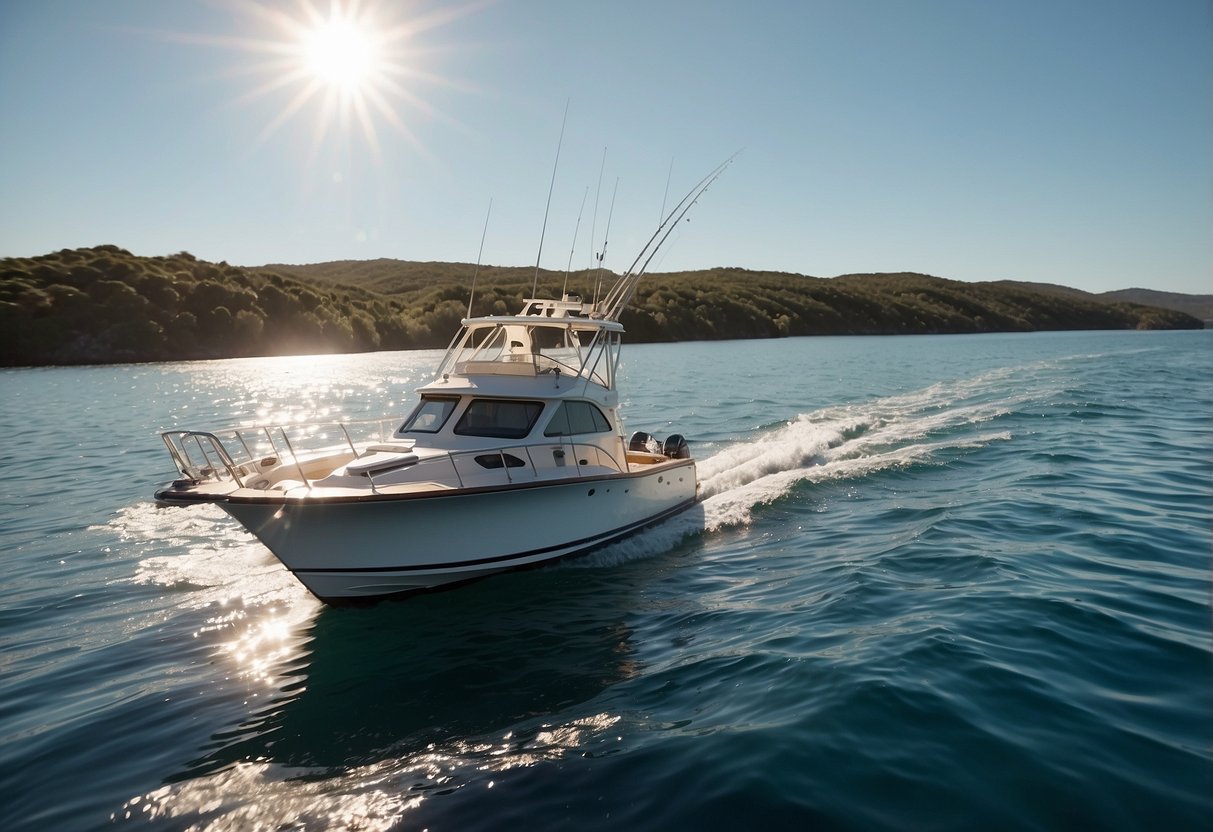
[(106, 305), (1198, 306)]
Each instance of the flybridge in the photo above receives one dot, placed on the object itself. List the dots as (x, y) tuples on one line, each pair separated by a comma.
[(571, 306), (561, 338)]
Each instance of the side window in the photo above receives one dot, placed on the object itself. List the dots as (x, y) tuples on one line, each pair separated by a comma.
[(431, 414), (498, 418), (577, 417)]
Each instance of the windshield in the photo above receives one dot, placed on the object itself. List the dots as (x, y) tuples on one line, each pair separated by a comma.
[(499, 418), (431, 414)]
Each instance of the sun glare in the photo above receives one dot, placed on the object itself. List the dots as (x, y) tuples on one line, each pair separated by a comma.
[(355, 65), (341, 53)]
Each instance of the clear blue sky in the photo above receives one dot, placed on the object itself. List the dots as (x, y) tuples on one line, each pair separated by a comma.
[(1055, 141)]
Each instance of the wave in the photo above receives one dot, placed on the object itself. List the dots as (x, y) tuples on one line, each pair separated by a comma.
[(839, 443)]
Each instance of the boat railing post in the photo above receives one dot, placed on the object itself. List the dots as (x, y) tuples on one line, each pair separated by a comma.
[(219, 450), (206, 458), (370, 475), (294, 456), (226, 459), (450, 455), (348, 441), (270, 438), (181, 463), (189, 460), (240, 438), (534, 468), (505, 466)]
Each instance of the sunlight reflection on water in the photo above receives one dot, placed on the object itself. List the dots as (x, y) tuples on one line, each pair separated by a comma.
[(376, 796), (299, 388), (253, 604)]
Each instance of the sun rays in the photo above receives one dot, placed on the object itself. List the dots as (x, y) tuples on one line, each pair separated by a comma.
[(345, 64), (349, 70)]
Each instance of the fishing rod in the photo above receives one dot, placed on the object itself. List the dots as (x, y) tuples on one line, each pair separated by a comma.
[(593, 228), (568, 268), (606, 238), (621, 294), (594, 224), (472, 296), (551, 186), (669, 175)]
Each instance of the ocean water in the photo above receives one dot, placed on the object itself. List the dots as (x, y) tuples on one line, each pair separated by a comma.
[(934, 583)]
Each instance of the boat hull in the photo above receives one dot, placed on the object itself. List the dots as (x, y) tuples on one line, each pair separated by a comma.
[(345, 549)]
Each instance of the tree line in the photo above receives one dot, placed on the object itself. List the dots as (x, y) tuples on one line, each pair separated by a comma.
[(106, 305)]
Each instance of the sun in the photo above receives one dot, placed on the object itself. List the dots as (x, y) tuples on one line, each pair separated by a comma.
[(354, 66), (348, 64), (343, 53)]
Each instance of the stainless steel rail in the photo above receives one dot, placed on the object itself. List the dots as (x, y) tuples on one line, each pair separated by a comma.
[(240, 454)]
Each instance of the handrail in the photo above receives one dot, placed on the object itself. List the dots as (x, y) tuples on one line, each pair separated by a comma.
[(185, 463), (232, 452), (295, 456)]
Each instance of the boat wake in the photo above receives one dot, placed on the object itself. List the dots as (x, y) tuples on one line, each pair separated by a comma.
[(848, 442)]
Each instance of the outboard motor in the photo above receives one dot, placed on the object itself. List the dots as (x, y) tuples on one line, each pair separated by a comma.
[(639, 441), (676, 447)]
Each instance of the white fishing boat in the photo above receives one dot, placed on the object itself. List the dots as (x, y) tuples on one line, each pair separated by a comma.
[(515, 455)]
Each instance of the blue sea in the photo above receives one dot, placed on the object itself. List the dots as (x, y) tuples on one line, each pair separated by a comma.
[(954, 582)]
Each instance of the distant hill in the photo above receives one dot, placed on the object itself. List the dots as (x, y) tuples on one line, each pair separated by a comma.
[(1198, 306), (106, 305)]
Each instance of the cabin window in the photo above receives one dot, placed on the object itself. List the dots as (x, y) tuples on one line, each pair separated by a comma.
[(577, 417), (500, 418), (431, 414)]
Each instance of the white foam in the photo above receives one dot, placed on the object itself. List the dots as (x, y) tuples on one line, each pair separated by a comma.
[(204, 553), (835, 443)]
